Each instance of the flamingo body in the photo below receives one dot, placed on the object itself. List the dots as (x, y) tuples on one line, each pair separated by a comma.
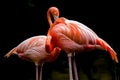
[(33, 49), (72, 36)]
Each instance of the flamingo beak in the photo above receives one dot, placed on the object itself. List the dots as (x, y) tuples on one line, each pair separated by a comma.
[(55, 17)]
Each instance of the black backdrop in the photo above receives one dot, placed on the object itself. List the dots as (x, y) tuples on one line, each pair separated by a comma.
[(21, 19)]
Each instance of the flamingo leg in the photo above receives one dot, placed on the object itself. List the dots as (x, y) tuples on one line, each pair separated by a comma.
[(75, 67), (37, 72), (41, 72), (70, 66)]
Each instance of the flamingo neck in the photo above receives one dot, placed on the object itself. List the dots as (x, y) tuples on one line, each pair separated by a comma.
[(49, 18), (49, 47)]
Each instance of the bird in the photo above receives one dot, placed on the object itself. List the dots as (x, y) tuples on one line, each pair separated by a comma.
[(73, 36), (33, 49)]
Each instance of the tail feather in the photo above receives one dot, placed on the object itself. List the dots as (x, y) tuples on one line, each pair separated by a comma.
[(10, 53), (106, 46)]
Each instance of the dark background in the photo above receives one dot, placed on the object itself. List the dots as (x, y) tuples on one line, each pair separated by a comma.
[(21, 19)]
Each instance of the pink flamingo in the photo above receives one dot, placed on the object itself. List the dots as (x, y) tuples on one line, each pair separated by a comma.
[(33, 49), (73, 36)]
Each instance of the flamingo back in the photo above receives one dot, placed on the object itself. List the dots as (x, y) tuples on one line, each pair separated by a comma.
[(75, 31)]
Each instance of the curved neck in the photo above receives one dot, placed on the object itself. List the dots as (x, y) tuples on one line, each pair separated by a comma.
[(49, 18)]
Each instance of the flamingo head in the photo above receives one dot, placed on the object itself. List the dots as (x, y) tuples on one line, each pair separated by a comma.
[(55, 12)]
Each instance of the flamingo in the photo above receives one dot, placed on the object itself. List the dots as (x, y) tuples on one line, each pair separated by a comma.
[(73, 36), (33, 49)]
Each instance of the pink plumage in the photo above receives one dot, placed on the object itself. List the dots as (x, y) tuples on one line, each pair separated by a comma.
[(73, 36), (33, 49)]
